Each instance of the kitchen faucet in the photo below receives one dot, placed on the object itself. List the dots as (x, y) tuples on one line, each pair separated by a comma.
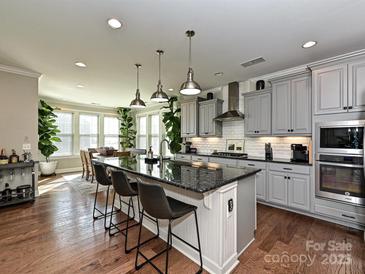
[(160, 154)]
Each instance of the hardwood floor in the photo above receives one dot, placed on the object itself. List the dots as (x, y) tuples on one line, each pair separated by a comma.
[(57, 234)]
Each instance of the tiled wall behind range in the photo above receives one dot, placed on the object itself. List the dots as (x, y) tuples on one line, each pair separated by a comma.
[(253, 146)]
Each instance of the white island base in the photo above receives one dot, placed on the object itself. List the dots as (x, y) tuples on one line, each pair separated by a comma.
[(224, 234)]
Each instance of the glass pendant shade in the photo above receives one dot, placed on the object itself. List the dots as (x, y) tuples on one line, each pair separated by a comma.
[(190, 87), (159, 95), (137, 102)]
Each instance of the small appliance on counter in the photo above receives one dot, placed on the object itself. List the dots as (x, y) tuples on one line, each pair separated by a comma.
[(299, 153), (187, 147), (268, 151)]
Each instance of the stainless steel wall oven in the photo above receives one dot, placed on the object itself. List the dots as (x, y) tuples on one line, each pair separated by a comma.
[(340, 161)]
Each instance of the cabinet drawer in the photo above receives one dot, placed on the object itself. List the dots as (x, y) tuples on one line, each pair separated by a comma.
[(230, 162), (341, 214), (198, 158), (254, 164), (183, 157), (290, 168)]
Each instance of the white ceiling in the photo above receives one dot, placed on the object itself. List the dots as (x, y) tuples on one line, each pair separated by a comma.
[(49, 36)]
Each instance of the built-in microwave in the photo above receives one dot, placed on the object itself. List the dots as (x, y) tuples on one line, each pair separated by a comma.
[(340, 137)]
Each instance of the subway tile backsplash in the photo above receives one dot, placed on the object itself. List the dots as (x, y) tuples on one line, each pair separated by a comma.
[(253, 146)]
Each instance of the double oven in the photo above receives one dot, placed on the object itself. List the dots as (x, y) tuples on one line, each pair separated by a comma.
[(340, 161)]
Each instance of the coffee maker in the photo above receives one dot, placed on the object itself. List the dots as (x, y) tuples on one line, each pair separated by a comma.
[(299, 153)]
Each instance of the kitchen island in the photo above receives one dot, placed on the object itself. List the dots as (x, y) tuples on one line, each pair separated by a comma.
[(225, 198)]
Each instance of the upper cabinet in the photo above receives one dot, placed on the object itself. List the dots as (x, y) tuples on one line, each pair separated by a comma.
[(208, 110), (291, 106), (339, 88), (258, 113), (190, 117)]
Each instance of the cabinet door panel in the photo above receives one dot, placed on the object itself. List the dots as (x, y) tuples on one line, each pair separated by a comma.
[(301, 105), (251, 113), (210, 115), (278, 192), (281, 117), (357, 86), (184, 120), (330, 89), (299, 191), (264, 114), (261, 185), (192, 119), (202, 122)]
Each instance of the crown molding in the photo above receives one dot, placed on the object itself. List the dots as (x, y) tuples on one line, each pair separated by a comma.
[(282, 73), (337, 58), (19, 71)]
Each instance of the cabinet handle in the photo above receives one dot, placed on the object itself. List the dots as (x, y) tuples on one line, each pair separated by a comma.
[(350, 107), (250, 164), (287, 168), (347, 216), (344, 107)]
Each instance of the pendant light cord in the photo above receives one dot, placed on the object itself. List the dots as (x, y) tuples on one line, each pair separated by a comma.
[(159, 67), (189, 51), (137, 77)]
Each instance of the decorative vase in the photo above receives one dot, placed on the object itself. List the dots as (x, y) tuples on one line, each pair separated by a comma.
[(48, 168)]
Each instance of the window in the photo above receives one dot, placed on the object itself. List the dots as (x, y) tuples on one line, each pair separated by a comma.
[(64, 123), (155, 133), (142, 132), (88, 131), (148, 132), (111, 132)]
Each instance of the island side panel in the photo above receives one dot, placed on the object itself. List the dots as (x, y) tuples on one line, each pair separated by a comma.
[(246, 213), (217, 226)]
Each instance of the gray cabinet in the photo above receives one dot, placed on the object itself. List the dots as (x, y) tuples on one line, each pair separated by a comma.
[(258, 113), (190, 117), (208, 110), (356, 85), (289, 186), (298, 187), (291, 106), (330, 89), (340, 88), (278, 188)]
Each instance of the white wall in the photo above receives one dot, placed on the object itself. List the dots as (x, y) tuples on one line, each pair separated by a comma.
[(18, 112)]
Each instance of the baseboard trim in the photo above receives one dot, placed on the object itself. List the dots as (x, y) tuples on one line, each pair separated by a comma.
[(68, 170), (315, 215)]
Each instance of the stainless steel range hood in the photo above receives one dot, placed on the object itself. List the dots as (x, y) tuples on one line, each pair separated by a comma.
[(233, 114)]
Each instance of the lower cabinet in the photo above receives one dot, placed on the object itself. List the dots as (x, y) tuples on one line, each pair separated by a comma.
[(278, 188), (289, 189)]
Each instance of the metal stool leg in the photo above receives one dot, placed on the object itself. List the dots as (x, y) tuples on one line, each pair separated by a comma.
[(199, 247), (168, 247), (96, 195), (106, 208)]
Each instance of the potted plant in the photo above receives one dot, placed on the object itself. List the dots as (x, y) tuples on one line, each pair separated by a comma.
[(47, 132), (127, 131), (171, 120)]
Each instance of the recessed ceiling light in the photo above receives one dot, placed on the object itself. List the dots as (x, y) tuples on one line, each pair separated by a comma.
[(309, 44), (170, 89), (80, 86), (80, 64), (114, 23), (218, 73)]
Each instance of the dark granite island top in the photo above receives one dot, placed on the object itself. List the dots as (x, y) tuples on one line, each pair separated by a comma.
[(198, 177)]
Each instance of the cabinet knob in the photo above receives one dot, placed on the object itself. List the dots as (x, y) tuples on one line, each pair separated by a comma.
[(344, 107), (288, 178), (288, 130), (292, 130), (285, 177), (350, 107)]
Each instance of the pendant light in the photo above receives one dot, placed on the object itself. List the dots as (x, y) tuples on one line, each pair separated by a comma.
[(190, 87), (137, 102), (159, 95)]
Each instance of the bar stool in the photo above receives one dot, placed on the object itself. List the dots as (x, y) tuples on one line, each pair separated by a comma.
[(158, 205), (123, 187), (103, 179)]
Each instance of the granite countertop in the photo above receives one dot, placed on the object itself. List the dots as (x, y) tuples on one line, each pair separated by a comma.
[(252, 158), (197, 177)]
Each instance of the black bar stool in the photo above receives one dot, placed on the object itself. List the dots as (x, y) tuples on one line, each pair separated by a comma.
[(102, 178), (158, 205), (124, 188)]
